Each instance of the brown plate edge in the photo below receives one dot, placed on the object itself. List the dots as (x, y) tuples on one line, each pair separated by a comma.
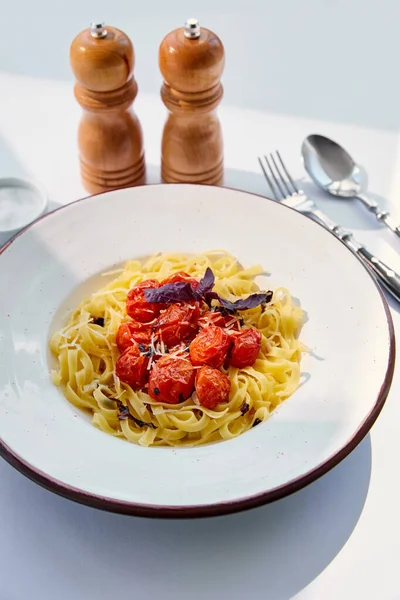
[(221, 508)]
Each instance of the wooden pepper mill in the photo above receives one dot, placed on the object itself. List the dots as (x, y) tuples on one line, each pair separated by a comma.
[(191, 62), (109, 137)]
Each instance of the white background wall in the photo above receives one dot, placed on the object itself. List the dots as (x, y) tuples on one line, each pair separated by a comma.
[(336, 60)]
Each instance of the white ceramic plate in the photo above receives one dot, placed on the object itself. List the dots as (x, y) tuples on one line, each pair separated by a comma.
[(53, 264)]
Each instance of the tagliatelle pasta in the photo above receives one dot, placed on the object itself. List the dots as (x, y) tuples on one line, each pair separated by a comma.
[(87, 354)]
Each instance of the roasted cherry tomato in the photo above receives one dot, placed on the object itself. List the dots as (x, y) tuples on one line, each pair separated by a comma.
[(133, 330), (211, 317), (171, 380), (177, 323), (181, 276), (215, 317), (137, 306), (131, 367), (245, 349), (210, 347), (212, 387)]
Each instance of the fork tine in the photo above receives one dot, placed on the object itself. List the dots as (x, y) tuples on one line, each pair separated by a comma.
[(269, 180), (287, 191), (275, 178), (295, 188)]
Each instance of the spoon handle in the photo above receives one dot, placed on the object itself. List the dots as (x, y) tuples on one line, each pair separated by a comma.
[(382, 215)]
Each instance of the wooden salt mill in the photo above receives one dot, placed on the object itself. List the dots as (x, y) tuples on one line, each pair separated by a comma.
[(109, 137), (191, 62)]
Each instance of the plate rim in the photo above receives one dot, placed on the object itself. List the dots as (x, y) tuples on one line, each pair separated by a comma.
[(225, 507)]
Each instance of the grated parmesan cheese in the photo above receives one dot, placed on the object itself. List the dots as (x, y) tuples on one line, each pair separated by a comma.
[(90, 387), (108, 292), (115, 272), (77, 326)]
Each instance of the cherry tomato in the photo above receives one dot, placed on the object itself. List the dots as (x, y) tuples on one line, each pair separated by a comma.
[(210, 347), (177, 323), (171, 380), (215, 317), (131, 367), (133, 330), (181, 276), (211, 317), (246, 346), (137, 306), (212, 387)]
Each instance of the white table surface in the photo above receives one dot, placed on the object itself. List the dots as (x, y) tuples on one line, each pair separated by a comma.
[(339, 537)]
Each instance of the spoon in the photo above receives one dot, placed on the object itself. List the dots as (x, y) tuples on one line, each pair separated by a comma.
[(334, 170)]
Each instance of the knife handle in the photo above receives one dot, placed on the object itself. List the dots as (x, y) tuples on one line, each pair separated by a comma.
[(386, 276), (389, 278)]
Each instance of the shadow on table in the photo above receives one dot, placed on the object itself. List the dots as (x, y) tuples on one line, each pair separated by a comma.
[(288, 543), (394, 304), (350, 214)]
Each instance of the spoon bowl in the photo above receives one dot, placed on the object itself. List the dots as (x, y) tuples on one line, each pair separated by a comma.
[(332, 168)]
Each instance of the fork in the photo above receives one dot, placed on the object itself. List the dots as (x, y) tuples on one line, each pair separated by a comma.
[(285, 190)]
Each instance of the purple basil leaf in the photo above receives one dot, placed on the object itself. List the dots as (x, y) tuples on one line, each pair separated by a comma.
[(124, 414), (123, 411), (209, 296), (171, 292), (244, 408), (207, 283), (246, 303)]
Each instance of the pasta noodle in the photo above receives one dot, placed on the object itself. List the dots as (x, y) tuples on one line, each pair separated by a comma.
[(86, 351)]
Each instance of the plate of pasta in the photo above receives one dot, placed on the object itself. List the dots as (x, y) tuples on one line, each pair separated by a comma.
[(181, 350)]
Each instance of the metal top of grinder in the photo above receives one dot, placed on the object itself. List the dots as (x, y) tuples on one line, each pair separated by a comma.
[(192, 29), (98, 29)]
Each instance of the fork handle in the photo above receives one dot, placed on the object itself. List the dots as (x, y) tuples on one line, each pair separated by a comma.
[(382, 215), (387, 277)]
